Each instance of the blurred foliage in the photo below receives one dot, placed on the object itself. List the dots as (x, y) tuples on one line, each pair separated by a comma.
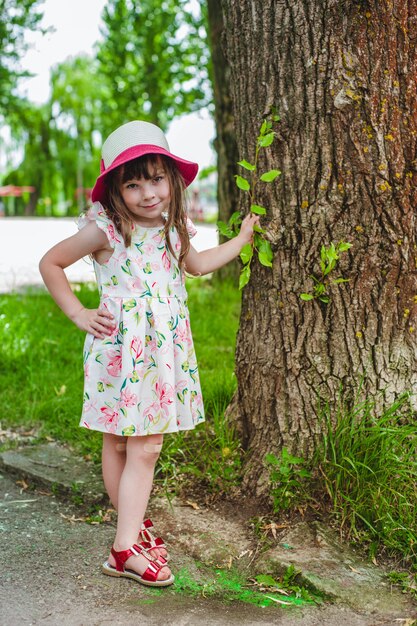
[(153, 64), (154, 56), (16, 16)]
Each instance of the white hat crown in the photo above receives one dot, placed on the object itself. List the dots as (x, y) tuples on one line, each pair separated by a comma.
[(129, 135)]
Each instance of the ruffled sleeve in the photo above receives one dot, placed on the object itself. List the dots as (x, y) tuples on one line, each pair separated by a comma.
[(98, 215), (191, 229)]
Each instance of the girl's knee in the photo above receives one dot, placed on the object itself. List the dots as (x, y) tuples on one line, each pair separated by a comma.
[(114, 442), (146, 449)]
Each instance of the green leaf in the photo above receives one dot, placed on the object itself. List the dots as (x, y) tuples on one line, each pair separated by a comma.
[(324, 299), (265, 253), (224, 229), (242, 183), (266, 580), (306, 296), (256, 208), (344, 245), (272, 459), (265, 126), (270, 176), (244, 276), (266, 140), (337, 281), (246, 253), (264, 260), (246, 165), (258, 229), (235, 218)]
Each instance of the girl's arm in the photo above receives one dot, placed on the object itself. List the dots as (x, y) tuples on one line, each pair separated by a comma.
[(88, 240), (200, 263)]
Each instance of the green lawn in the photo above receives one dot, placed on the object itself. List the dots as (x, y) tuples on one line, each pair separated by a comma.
[(41, 374)]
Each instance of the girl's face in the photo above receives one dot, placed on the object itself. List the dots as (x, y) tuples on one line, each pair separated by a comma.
[(146, 198)]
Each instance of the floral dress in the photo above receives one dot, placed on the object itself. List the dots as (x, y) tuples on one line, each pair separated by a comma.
[(143, 379)]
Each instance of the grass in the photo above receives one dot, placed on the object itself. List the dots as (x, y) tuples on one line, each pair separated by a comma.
[(368, 465), (41, 378)]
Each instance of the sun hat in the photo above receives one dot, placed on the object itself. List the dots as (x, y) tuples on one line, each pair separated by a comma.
[(133, 140)]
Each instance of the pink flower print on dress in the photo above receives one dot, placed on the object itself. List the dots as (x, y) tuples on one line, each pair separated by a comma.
[(121, 258), (128, 398), (109, 418), (152, 414), (114, 366), (136, 349), (150, 343), (178, 246), (166, 261), (182, 337), (159, 237), (112, 233), (166, 395), (149, 249), (90, 405)]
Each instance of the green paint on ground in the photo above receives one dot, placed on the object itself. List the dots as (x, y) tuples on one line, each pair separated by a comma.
[(230, 586)]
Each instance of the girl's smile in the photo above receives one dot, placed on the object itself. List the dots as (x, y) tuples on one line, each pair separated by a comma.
[(147, 199)]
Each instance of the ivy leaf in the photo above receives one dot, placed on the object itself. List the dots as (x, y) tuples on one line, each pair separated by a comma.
[(258, 229), (266, 140), (244, 276), (344, 245), (324, 299), (246, 165), (225, 230), (256, 208), (235, 218), (242, 183), (265, 253), (266, 125), (246, 253), (337, 281), (270, 176), (306, 296), (263, 259)]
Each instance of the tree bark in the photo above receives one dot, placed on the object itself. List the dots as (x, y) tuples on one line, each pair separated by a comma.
[(342, 75), (225, 141)]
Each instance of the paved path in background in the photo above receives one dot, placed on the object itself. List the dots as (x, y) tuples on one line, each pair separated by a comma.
[(23, 242)]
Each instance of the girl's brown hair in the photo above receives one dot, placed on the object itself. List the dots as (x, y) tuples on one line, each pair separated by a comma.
[(146, 167)]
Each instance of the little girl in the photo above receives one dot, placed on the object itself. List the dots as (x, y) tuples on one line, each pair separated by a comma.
[(141, 376)]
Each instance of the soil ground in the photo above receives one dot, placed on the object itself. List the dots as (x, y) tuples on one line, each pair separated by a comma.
[(50, 570)]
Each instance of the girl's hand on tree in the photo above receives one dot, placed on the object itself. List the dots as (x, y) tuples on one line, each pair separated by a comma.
[(246, 229), (97, 322)]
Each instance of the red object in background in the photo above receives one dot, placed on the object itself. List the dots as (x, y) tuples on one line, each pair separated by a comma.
[(15, 191)]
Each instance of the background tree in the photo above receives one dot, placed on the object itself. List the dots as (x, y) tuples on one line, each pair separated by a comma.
[(16, 16), (343, 77), (77, 104), (225, 141), (154, 57)]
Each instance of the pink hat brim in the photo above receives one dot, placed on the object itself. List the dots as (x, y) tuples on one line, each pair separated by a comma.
[(188, 169)]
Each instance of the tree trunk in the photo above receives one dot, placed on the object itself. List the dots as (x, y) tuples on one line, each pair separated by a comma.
[(225, 142), (343, 78)]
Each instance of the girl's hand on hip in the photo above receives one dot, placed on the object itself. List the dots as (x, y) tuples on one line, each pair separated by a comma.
[(246, 229), (97, 322)]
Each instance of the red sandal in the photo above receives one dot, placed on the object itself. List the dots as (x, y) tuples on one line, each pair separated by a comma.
[(149, 542), (149, 576)]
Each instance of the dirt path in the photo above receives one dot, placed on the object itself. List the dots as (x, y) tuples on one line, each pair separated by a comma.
[(50, 571)]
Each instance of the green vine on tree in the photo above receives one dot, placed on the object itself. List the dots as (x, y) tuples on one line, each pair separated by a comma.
[(329, 258), (249, 185)]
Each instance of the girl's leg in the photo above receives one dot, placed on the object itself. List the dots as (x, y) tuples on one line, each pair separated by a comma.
[(134, 491), (113, 460), (113, 464)]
